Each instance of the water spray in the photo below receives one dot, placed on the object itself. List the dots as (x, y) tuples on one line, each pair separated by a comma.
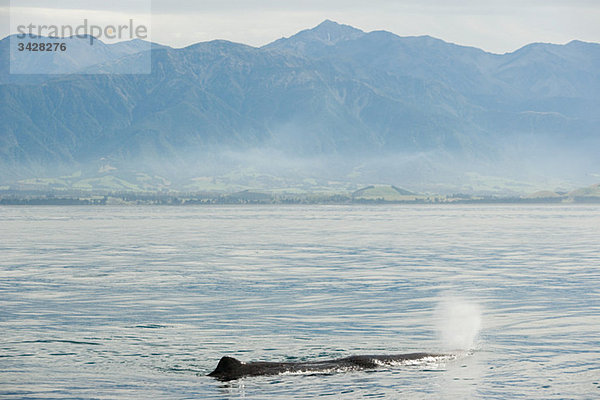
[(458, 323)]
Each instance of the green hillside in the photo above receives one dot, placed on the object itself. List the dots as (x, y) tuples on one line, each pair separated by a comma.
[(384, 193)]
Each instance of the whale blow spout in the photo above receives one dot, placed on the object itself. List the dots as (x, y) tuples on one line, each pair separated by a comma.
[(230, 368)]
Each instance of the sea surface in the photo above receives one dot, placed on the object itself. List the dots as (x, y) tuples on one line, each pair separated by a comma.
[(141, 302)]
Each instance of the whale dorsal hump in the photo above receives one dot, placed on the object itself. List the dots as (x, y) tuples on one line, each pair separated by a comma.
[(226, 366)]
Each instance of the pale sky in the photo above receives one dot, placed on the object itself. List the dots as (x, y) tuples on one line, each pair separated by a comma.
[(494, 25)]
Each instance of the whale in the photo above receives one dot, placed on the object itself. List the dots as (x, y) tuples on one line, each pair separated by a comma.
[(230, 368)]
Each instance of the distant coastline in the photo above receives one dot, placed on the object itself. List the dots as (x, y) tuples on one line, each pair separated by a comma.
[(368, 195)]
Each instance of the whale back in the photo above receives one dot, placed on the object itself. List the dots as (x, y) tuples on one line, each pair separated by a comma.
[(230, 368)]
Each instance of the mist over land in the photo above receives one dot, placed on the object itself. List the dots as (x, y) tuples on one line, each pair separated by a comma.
[(329, 109)]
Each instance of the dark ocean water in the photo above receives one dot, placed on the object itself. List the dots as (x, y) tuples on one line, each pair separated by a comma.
[(141, 302)]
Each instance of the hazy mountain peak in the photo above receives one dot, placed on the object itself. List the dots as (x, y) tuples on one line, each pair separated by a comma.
[(579, 44), (332, 32), (218, 44), (327, 33)]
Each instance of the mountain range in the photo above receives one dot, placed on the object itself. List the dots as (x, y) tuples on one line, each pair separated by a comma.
[(329, 104)]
